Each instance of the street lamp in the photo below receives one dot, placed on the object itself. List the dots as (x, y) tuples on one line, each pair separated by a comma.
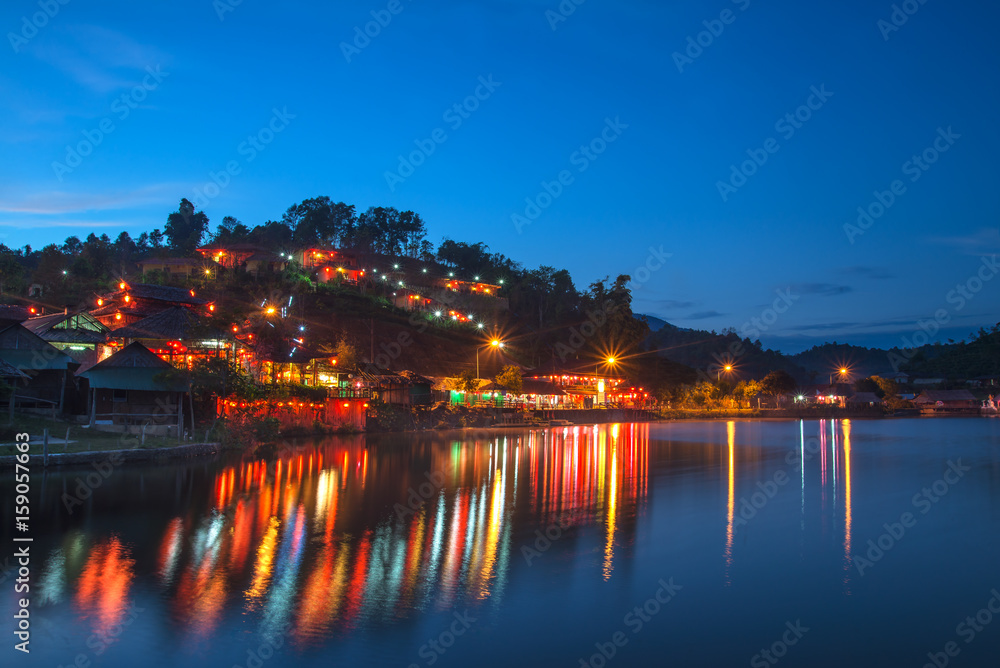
[(598, 382), (495, 343), (727, 369), (843, 371)]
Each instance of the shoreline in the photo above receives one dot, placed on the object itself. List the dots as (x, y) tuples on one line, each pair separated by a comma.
[(192, 450), (61, 459)]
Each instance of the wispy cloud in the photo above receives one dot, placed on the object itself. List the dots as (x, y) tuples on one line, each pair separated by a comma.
[(671, 304), (823, 327), (821, 289), (705, 315), (61, 202), (62, 222), (98, 58), (983, 241), (872, 273)]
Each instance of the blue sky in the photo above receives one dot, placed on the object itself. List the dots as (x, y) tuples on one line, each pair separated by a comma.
[(344, 120)]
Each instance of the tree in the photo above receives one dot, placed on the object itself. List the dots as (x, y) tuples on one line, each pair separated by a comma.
[(230, 231), (125, 248), (12, 271), (509, 379), (869, 385), (185, 228), (777, 383), (467, 381), (887, 387), (273, 234), (745, 391), (319, 220), (72, 246), (346, 354), (386, 230), (621, 330)]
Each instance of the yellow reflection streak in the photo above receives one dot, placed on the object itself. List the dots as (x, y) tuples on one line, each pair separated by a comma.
[(609, 547), (847, 493), (265, 562), (493, 536), (731, 505)]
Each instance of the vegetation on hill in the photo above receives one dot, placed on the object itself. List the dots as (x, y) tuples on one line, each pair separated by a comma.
[(549, 318)]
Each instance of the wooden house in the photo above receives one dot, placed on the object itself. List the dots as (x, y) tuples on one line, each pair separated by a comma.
[(947, 402), (177, 267), (79, 335), (236, 255), (403, 389), (177, 334), (134, 387), (47, 367), (864, 399), (131, 303)]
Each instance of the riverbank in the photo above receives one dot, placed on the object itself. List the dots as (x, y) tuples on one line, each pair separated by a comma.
[(115, 457), (474, 418)]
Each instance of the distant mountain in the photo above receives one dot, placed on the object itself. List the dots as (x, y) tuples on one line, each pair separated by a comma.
[(827, 358), (709, 352), (655, 324)]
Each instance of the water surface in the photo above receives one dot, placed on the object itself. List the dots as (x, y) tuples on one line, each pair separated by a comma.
[(823, 543)]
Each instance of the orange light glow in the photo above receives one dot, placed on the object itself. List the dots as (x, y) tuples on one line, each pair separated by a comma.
[(104, 585)]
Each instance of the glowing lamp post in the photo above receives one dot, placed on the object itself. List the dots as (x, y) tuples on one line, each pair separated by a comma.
[(610, 361), (495, 343)]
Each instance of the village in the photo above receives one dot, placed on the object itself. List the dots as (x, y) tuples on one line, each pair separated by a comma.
[(166, 352), (126, 362)]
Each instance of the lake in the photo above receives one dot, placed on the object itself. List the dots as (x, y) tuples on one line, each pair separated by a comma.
[(749, 542)]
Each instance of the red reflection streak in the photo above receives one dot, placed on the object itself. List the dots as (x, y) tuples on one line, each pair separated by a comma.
[(263, 502), (201, 593), (314, 612), (356, 588), (220, 489), (456, 543), (170, 549), (104, 585), (209, 599), (414, 550), (242, 536)]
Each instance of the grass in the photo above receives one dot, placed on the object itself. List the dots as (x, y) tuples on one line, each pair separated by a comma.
[(82, 439)]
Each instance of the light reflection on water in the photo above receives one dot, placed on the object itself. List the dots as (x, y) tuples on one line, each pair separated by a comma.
[(322, 544)]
